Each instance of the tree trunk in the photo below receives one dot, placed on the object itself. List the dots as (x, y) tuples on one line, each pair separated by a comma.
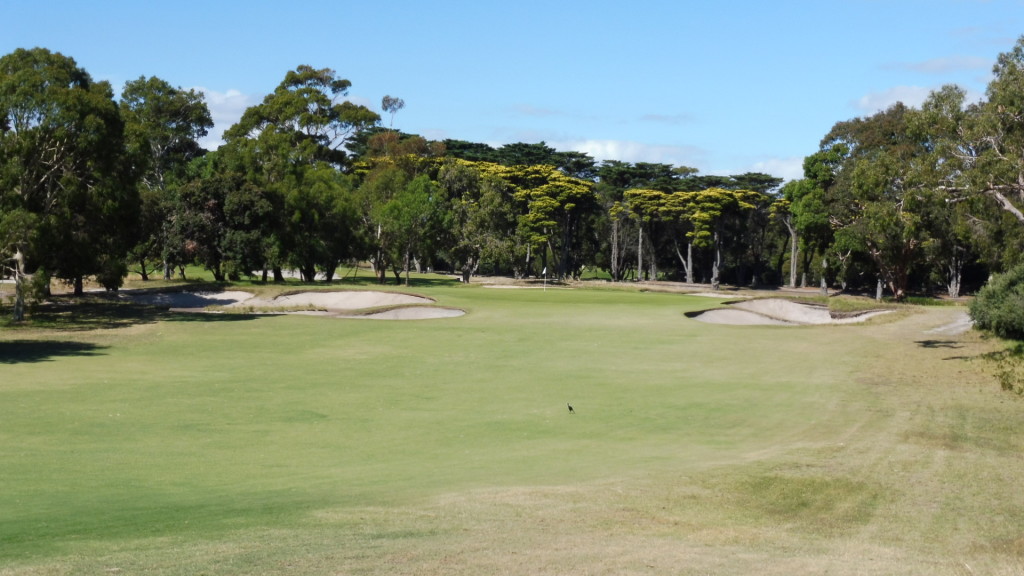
[(468, 268), (794, 250), (639, 253), (19, 287), (142, 270), (278, 274), (615, 251), (167, 270), (687, 261), (824, 283), (79, 286), (329, 273), (308, 273), (406, 264), (716, 263), (955, 271)]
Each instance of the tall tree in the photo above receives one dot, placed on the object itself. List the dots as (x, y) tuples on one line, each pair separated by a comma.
[(645, 206), (708, 211), (993, 147), (163, 125), (64, 170), (478, 221), (882, 196), (301, 128)]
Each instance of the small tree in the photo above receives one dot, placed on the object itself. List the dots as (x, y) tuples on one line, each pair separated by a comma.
[(999, 306)]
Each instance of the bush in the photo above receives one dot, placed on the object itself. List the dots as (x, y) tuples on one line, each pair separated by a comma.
[(999, 306)]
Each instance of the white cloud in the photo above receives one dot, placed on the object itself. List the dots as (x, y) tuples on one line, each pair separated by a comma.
[(787, 168), (877, 101), (226, 108), (628, 151)]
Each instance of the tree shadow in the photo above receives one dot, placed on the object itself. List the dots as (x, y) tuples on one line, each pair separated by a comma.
[(179, 315), (18, 351), (939, 344), (371, 282), (95, 312)]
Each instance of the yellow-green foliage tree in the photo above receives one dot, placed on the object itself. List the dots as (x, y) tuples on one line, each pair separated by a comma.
[(645, 207), (707, 211), (554, 211)]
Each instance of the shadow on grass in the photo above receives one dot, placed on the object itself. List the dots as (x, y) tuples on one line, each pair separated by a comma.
[(939, 344), (88, 313), (371, 282), (18, 351)]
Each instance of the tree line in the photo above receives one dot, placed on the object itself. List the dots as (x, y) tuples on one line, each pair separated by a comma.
[(93, 186)]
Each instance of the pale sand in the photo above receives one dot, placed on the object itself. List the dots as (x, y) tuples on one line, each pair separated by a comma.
[(776, 311), (333, 304), (342, 300), (188, 299)]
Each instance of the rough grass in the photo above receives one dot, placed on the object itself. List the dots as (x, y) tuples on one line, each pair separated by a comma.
[(213, 444)]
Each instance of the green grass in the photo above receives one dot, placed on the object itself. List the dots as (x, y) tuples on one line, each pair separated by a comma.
[(138, 441)]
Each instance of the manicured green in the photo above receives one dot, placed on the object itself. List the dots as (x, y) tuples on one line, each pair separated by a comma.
[(231, 444)]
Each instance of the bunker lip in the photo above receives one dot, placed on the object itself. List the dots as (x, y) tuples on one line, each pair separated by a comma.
[(778, 312), (337, 303)]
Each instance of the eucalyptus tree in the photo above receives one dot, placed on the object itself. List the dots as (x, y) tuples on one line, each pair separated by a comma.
[(479, 221), (883, 198), (163, 125), (299, 130), (67, 190), (994, 143), (407, 218)]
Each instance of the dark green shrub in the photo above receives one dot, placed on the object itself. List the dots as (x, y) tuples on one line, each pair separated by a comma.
[(999, 306)]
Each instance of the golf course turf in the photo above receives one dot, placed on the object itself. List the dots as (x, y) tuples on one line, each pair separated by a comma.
[(162, 443)]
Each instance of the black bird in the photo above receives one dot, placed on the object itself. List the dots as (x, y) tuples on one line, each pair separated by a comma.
[(571, 411)]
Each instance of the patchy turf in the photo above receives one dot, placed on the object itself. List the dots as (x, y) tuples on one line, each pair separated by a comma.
[(144, 442)]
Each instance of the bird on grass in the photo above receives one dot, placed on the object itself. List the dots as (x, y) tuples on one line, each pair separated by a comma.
[(571, 411)]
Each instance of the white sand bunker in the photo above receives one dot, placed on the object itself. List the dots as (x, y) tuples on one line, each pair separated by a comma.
[(188, 300), (341, 300), (776, 311), (338, 304)]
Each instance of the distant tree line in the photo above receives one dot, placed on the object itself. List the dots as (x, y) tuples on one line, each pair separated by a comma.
[(91, 186)]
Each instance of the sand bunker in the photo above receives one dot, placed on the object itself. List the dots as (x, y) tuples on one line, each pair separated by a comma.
[(776, 311), (187, 300), (343, 300), (339, 304)]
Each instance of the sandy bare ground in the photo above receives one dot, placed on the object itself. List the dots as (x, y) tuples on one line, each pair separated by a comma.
[(962, 323), (343, 300), (339, 304), (776, 311)]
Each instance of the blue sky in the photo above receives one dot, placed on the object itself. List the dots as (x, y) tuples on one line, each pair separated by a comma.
[(724, 86)]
